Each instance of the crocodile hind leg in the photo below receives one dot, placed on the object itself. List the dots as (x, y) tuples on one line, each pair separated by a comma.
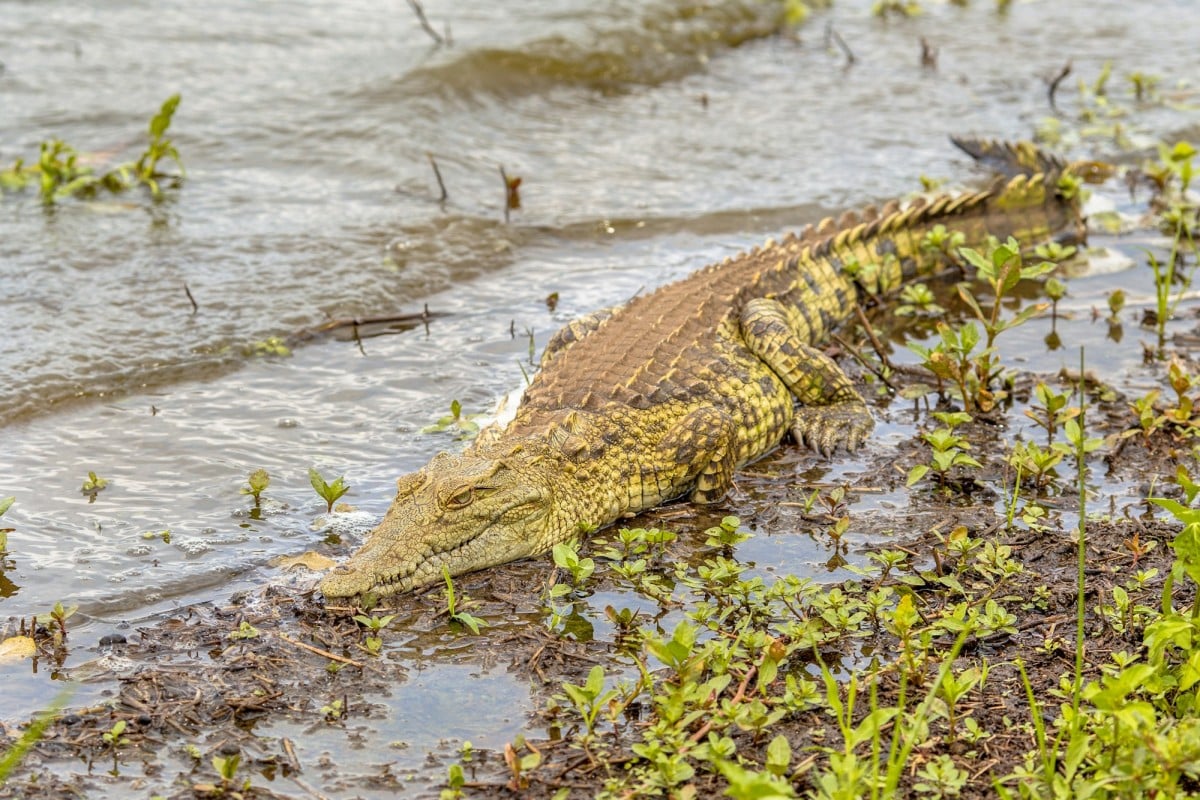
[(831, 413), (702, 443)]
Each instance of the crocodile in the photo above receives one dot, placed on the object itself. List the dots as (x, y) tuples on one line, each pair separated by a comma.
[(666, 396)]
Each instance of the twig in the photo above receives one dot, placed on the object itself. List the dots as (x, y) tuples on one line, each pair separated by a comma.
[(831, 34), (738, 696), (866, 324), (321, 652), (188, 292), (438, 174), (507, 193), (852, 350), (355, 323), (1053, 87), (929, 54), (415, 5)]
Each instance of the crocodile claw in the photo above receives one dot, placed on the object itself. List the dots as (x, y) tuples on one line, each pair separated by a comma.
[(825, 428)]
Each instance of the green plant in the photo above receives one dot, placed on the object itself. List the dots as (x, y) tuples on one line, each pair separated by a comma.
[(11, 758), (726, 535), (942, 242), (917, 299), (954, 359), (566, 557), (5, 505), (1116, 303), (244, 631), (335, 710), (158, 148), (374, 642), (1177, 161), (455, 780), (465, 424), (1144, 86), (93, 484), (226, 767), (453, 604), (59, 173), (520, 765), (1055, 290), (1035, 463), (1056, 252), (113, 736), (590, 698), (1050, 411), (329, 492), (949, 450), (257, 483), (58, 616), (1002, 268), (954, 687), (903, 8), (1165, 278), (941, 777), (273, 346)]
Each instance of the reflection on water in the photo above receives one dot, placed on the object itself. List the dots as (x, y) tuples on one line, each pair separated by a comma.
[(651, 139)]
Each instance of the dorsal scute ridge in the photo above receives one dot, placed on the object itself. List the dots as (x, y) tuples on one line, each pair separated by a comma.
[(852, 228)]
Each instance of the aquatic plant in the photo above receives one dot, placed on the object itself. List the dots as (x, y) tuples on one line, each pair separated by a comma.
[(329, 492), (59, 173)]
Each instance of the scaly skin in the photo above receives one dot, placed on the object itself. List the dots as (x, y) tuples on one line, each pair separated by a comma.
[(669, 394)]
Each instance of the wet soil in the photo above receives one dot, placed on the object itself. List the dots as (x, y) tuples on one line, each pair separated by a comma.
[(188, 689)]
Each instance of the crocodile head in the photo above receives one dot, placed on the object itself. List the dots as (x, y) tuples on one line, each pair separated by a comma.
[(463, 513)]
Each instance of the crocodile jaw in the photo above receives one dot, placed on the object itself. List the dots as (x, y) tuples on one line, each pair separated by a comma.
[(460, 514)]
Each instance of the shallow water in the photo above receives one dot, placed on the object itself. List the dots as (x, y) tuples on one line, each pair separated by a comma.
[(651, 139)]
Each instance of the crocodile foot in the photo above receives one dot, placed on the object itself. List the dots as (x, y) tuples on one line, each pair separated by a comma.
[(825, 428)]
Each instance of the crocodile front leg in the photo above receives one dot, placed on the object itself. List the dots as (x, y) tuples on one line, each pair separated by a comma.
[(702, 444), (831, 413)]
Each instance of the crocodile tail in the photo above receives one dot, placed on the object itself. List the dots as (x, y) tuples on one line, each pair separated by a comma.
[(1010, 158), (882, 250)]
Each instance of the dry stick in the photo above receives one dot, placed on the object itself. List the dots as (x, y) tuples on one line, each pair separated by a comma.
[(866, 324), (355, 322), (875, 344), (852, 350), (420, 12), (188, 292), (929, 54), (1053, 87), (358, 340), (504, 178), (321, 652), (832, 34), (738, 696), (438, 174)]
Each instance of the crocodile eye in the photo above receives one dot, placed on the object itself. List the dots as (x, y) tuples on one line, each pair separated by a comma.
[(461, 497)]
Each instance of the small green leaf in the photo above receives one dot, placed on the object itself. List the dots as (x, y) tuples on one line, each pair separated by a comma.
[(162, 120), (471, 621), (779, 755)]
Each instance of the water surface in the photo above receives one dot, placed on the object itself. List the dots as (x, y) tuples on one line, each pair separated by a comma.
[(651, 139)]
